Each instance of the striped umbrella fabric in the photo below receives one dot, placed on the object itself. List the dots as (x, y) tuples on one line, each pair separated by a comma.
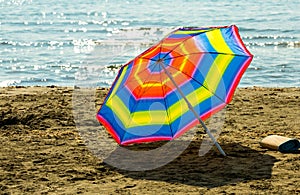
[(156, 95)]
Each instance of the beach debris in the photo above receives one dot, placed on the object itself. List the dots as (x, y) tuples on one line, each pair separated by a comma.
[(280, 143)]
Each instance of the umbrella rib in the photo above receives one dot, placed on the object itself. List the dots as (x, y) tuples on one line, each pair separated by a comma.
[(240, 55), (161, 44), (132, 79), (191, 36), (199, 83), (135, 105), (197, 53), (165, 100)]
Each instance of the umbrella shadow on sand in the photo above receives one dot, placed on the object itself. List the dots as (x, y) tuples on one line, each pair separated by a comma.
[(212, 170)]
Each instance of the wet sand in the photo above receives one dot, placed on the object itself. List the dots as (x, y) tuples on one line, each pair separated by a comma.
[(42, 152)]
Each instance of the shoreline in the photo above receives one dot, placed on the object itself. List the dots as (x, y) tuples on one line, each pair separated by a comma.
[(41, 150)]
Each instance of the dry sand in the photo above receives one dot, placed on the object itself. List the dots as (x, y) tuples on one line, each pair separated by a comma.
[(41, 151)]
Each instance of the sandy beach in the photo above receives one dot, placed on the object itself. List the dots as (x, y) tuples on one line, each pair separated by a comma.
[(41, 151)]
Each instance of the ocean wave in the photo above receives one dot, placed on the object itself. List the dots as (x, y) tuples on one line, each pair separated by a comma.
[(268, 37), (88, 45), (7, 83), (36, 44), (15, 2), (288, 44), (35, 81)]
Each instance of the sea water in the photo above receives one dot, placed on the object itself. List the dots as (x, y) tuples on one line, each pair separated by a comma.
[(68, 41)]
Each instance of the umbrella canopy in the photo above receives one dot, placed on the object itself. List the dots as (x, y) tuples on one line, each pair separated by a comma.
[(171, 87)]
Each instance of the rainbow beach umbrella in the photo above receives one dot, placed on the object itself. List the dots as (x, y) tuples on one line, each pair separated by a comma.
[(176, 84)]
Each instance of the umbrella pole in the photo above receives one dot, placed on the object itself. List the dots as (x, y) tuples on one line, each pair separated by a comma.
[(192, 109)]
